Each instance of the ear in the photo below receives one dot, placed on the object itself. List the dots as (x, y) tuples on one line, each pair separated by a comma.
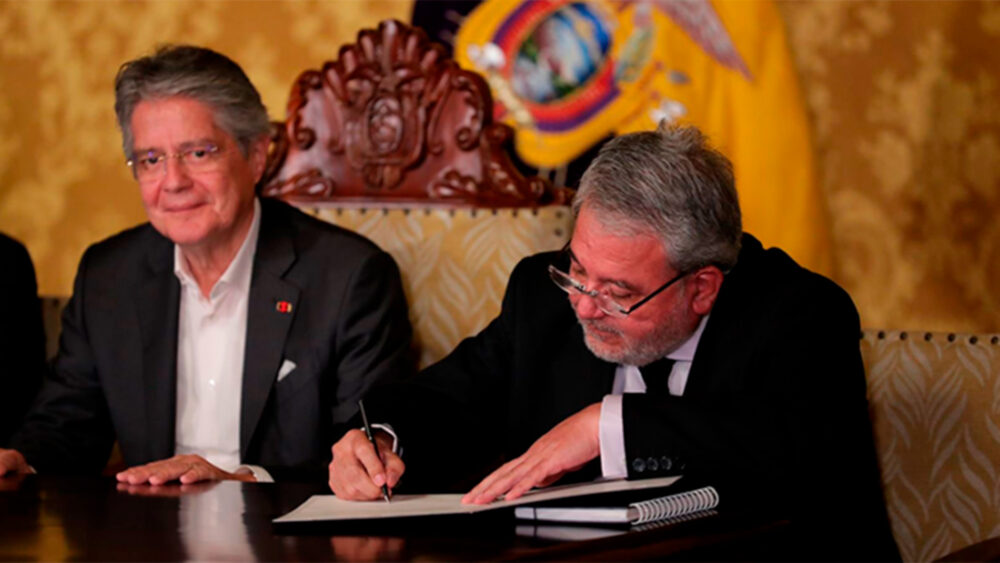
[(704, 285), (258, 156)]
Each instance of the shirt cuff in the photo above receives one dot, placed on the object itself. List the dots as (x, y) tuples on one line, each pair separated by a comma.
[(612, 438), (258, 472), (388, 430)]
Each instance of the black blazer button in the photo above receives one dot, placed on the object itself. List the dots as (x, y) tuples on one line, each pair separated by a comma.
[(652, 464), (638, 465), (666, 463)]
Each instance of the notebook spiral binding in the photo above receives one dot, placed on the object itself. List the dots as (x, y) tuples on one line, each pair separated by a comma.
[(680, 504), (671, 521)]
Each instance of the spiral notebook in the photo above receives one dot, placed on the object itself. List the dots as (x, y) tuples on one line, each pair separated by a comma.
[(652, 510), (576, 531)]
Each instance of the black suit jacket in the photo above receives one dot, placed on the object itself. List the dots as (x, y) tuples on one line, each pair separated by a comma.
[(22, 338), (774, 412), (115, 375)]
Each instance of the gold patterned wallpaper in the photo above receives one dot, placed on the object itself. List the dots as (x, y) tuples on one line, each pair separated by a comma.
[(905, 110), (63, 181), (903, 98)]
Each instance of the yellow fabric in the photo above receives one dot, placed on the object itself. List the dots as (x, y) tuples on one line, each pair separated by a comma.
[(759, 121), (935, 408), (760, 124), (455, 264)]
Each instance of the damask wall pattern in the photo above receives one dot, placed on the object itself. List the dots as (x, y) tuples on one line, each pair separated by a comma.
[(454, 263), (903, 102), (63, 181), (906, 118)]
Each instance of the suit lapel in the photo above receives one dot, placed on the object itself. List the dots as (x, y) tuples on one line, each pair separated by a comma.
[(273, 304), (723, 343), (157, 305)]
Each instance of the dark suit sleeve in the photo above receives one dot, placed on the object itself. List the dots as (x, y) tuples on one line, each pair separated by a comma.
[(22, 338), (450, 418), (374, 334), (68, 429)]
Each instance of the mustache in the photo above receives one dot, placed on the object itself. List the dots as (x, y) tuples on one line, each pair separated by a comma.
[(598, 326)]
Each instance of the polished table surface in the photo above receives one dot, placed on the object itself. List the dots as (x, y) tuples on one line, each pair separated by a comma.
[(92, 518)]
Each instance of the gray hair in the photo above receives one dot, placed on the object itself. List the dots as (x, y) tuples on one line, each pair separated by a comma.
[(669, 182), (197, 73)]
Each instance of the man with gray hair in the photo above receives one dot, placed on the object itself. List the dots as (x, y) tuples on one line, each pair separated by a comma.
[(231, 336), (684, 347)]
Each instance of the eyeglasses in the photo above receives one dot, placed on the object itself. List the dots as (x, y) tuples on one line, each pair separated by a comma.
[(152, 165), (602, 299)]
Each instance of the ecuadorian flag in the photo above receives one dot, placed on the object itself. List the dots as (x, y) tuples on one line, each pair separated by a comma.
[(566, 74)]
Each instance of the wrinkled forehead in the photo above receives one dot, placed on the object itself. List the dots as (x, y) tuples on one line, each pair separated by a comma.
[(174, 123), (622, 251), (594, 223)]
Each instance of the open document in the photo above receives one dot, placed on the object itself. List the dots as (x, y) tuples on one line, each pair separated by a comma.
[(328, 507)]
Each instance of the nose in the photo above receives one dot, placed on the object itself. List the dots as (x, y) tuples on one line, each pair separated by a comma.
[(586, 306), (175, 176)]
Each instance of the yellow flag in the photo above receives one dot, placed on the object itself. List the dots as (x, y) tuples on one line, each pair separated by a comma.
[(723, 66)]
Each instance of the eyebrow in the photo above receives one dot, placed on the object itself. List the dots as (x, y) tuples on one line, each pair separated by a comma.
[(615, 282), (182, 147)]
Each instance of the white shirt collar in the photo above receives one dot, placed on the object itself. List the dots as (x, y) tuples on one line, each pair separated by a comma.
[(238, 271), (685, 352)]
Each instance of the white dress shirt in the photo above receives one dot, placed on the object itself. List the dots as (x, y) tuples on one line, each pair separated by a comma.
[(628, 379), (211, 341)]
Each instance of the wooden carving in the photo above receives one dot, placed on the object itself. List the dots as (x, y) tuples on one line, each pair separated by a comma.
[(394, 121)]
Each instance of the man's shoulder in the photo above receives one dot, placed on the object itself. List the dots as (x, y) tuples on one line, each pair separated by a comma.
[(532, 265), (128, 247), (528, 281), (312, 235), (13, 253), (768, 284), (10, 246), (19, 274), (771, 271)]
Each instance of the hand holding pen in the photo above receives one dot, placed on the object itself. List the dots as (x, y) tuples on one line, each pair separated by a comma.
[(371, 438)]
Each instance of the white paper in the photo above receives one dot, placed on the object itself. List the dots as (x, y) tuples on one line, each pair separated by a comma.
[(328, 507)]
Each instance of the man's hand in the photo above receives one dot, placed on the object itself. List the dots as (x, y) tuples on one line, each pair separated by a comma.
[(567, 447), (356, 473), (184, 468), (11, 461)]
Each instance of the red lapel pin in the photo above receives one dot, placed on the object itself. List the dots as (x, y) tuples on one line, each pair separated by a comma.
[(283, 307)]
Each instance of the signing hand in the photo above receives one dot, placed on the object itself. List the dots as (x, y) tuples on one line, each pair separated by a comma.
[(356, 473), (567, 447), (11, 461), (184, 468)]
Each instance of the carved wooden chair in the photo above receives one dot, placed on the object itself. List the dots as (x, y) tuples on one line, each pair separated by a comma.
[(395, 141)]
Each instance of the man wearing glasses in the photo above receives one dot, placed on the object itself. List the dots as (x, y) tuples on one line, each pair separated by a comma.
[(230, 337), (684, 347)]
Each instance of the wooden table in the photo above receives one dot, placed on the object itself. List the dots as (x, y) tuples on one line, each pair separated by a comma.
[(92, 518)]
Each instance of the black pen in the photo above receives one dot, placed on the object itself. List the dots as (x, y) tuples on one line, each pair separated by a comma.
[(371, 438)]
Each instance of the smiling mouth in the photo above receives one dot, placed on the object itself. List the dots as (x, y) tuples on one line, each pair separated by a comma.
[(182, 208)]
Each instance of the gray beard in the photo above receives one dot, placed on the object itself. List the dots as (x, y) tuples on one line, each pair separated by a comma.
[(665, 339)]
